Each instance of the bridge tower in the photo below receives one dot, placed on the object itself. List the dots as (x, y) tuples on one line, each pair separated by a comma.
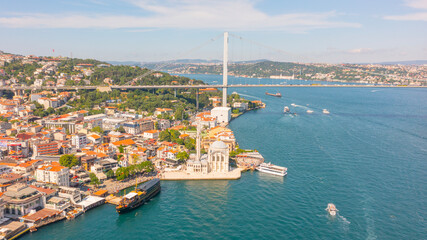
[(225, 71)]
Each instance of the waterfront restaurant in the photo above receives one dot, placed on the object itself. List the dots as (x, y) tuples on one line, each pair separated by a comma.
[(21, 199)]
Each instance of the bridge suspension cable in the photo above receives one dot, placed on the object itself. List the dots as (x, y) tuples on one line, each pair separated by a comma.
[(168, 63)]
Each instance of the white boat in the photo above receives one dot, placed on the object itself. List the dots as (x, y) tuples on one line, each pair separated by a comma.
[(286, 109), (325, 111), (332, 209), (272, 169), (309, 111), (234, 93), (293, 104)]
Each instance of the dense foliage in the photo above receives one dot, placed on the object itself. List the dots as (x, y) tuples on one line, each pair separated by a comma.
[(69, 160)]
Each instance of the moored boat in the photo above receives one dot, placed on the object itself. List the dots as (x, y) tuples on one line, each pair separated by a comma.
[(272, 169), (332, 209), (139, 196)]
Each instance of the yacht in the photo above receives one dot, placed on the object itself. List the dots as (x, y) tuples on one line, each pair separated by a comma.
[(325, 111), (272, 169), (286, 109), (332, 209), (309, 111)]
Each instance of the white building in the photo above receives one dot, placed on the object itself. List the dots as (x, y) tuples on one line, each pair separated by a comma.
[(222, 114), (151, 134), (55, 174), (79, 140), (242, 106), (95, 117)]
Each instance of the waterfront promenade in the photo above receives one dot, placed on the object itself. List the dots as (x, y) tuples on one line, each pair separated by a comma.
[(113, 186), (182, 175)]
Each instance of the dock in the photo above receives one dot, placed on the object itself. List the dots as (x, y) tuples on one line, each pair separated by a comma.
[(114, 200), (182, 175)]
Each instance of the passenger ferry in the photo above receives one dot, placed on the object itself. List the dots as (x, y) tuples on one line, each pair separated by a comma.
[(272, 169), (139, 196), (332, 209), (325, 111)]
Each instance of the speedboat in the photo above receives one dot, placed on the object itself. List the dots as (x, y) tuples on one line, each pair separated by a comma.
[(332, 209), (325, 111), (293, 104), (309, 111)]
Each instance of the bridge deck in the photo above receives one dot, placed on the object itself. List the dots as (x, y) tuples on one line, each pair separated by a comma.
[(125, 87)]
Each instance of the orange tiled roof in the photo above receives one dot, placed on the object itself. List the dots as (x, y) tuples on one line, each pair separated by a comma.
[(125, 142)]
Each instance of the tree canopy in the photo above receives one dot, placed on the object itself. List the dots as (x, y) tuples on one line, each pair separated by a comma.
[(69, 160)]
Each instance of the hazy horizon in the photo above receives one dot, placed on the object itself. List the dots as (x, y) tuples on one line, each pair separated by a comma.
[(150, 31)]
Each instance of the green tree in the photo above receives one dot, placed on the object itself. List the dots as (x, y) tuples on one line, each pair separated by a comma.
[(97, 129), (121, 129), (121, 149), (165, 135), (69, 160), (180, 114), (182, 156), (190, 143), (94, 179), (110, 174)]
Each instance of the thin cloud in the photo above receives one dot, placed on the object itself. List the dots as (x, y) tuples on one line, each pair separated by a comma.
[(360, 51), (186, 14), (417, 16), (418, 4)]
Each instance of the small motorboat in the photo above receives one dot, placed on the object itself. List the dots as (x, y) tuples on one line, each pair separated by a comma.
[(293, 104), (325, 111), (286, 109), (332, 209), (309, 111)]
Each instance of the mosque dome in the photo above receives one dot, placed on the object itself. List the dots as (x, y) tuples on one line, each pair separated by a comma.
[(217, 145)]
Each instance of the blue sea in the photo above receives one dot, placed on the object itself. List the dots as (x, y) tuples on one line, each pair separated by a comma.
[(368, 157)]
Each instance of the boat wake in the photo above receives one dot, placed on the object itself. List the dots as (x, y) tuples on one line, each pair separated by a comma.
[(345, 223), (248, 95)]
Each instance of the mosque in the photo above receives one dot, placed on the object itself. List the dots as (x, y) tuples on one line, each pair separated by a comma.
[(217, 160), (213, 165)]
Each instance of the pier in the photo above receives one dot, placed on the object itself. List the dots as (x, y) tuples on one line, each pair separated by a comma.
[(182, 175)]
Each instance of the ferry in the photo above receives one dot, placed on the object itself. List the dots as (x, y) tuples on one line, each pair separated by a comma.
[(325, 111), (309, 111), (139, 196), (274, 95), (286, 109), (272, 169), (332, 209)]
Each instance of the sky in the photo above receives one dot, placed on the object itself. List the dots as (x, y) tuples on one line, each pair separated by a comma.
[(329, 31)]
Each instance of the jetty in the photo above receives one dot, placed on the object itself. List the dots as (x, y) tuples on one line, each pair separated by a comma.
[(183, 175), (114, 200)]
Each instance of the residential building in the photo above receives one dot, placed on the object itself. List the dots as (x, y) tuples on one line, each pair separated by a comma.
[(154, 134), (50, 148), (79, 140), (53, 173)]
